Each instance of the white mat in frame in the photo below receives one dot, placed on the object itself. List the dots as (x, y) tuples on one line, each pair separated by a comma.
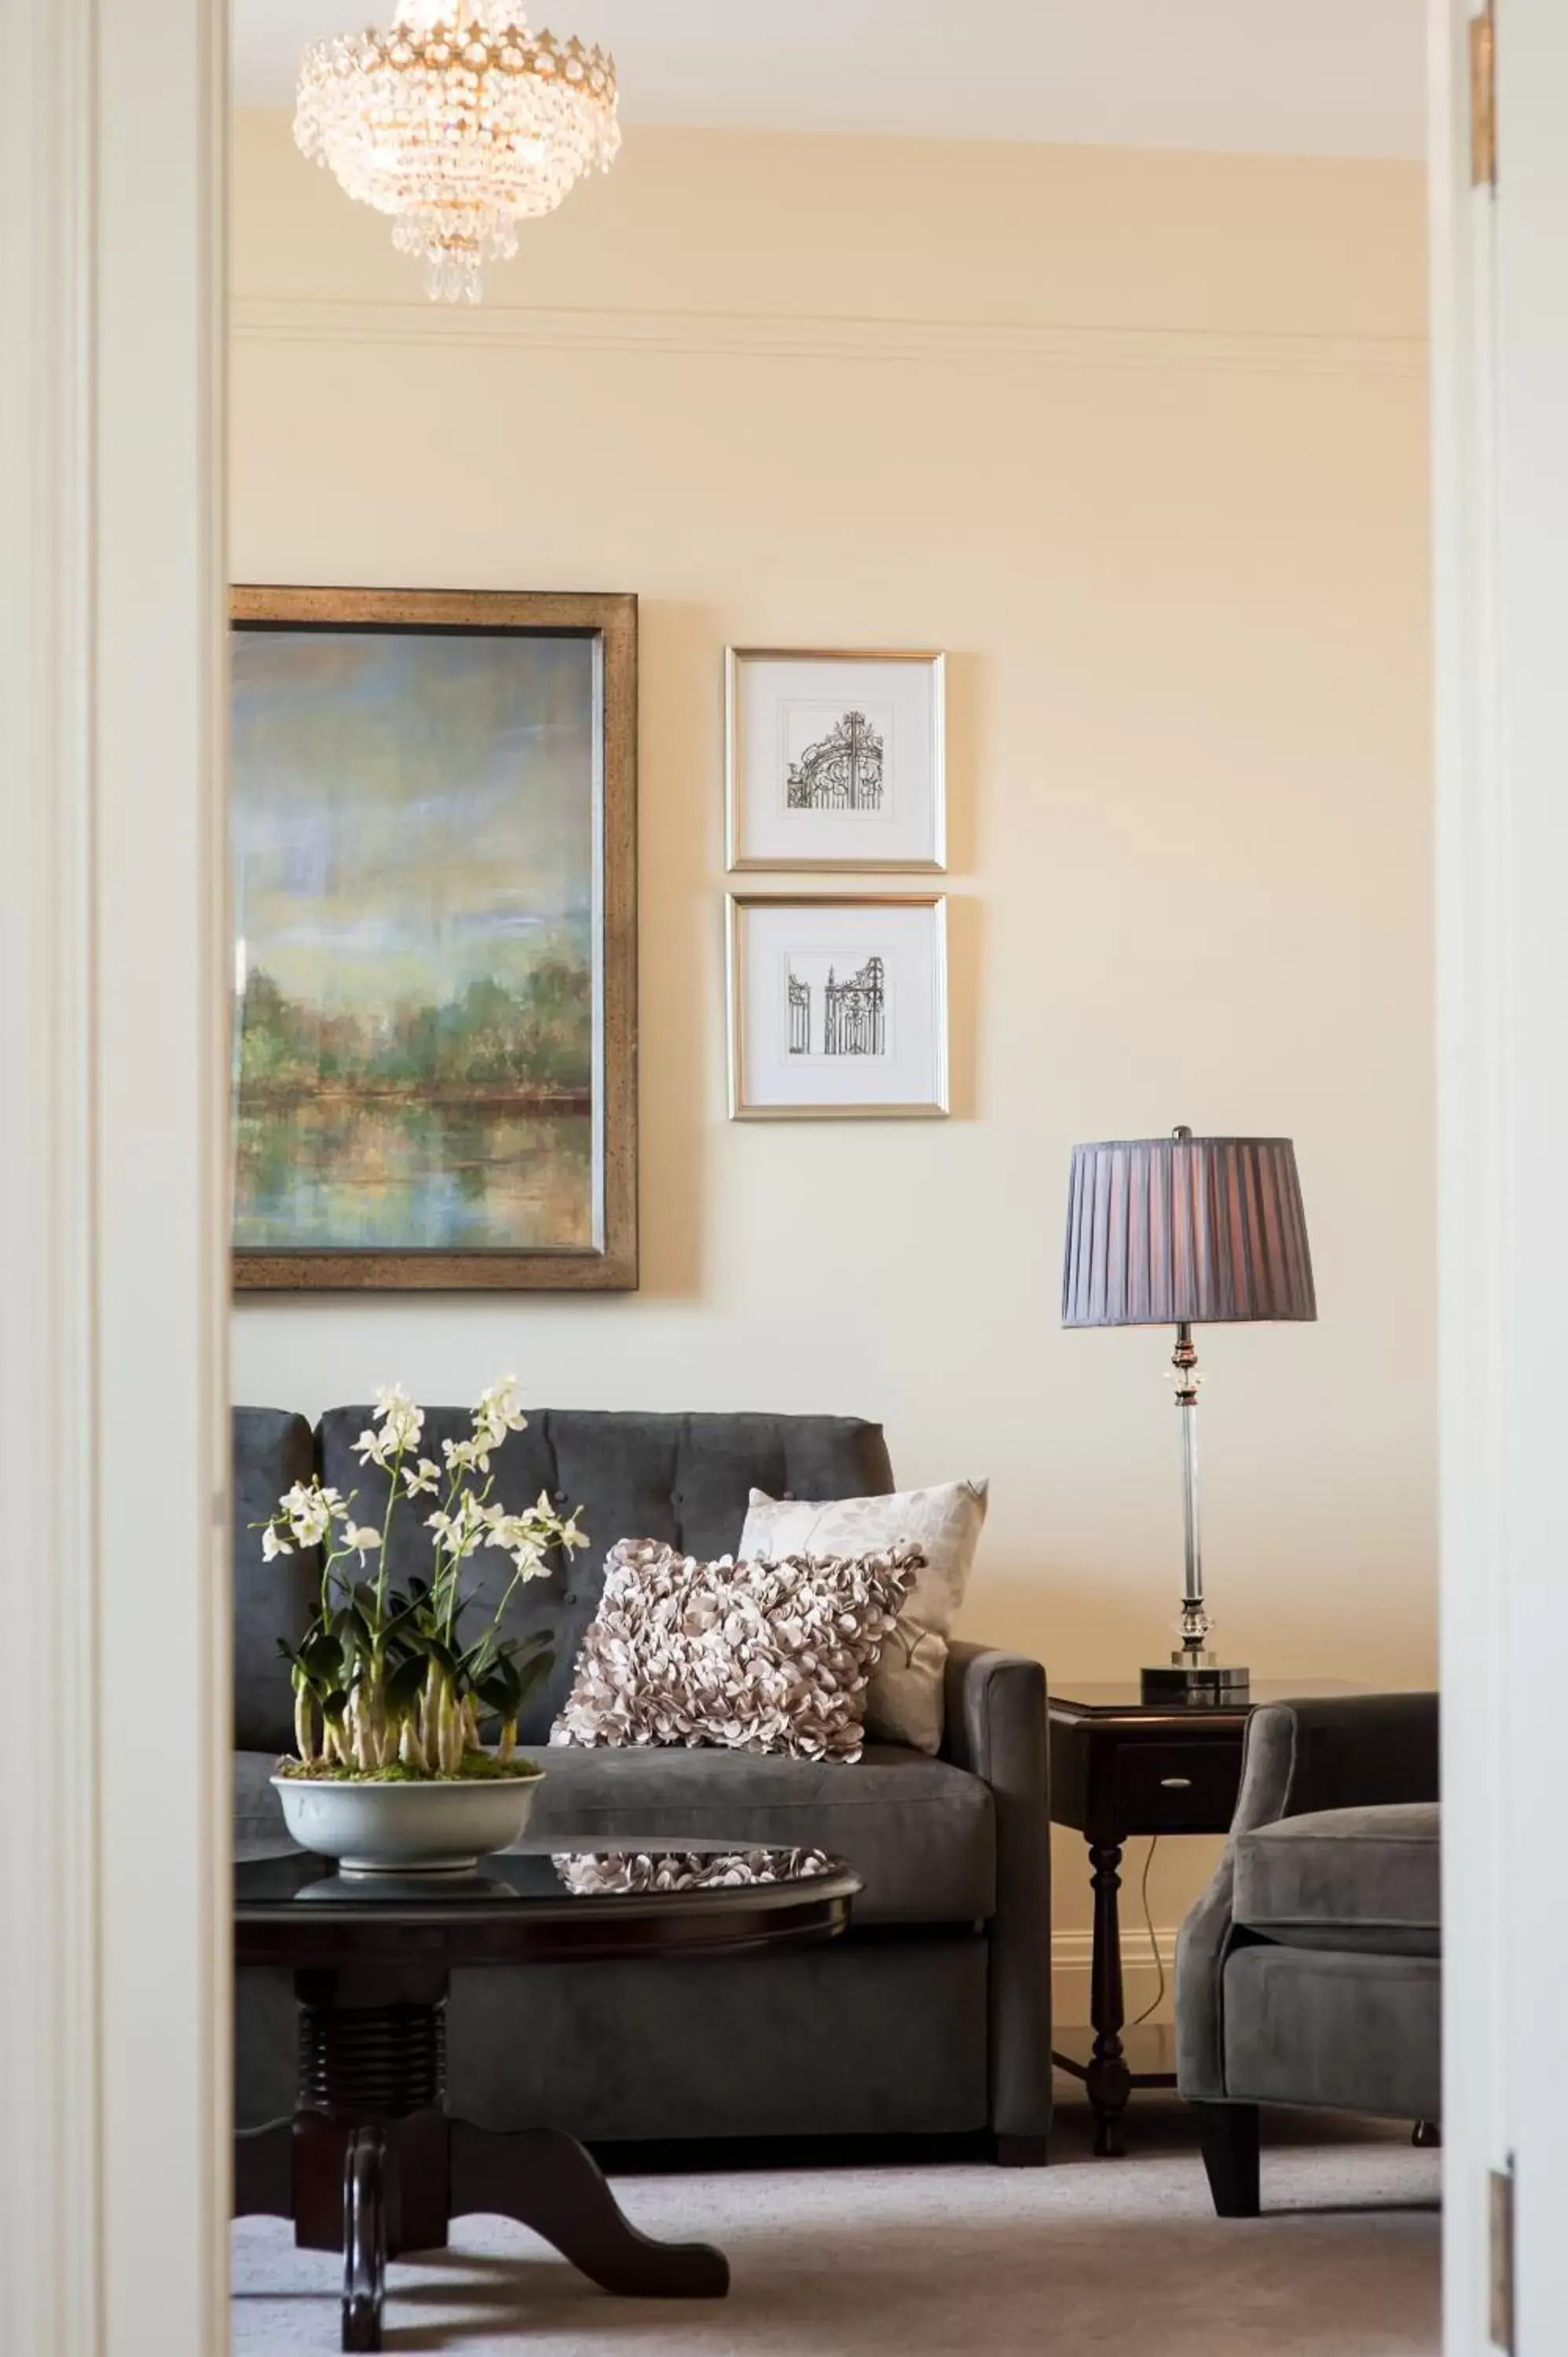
[(835, 760), (838, 1005)]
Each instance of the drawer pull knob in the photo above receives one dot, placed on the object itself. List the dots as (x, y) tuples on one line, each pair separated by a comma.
[(1175, 1783)]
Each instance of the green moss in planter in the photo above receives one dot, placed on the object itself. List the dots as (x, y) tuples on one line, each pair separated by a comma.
[(479, 1767)]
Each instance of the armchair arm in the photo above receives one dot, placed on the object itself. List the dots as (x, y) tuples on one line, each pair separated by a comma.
[(996, 1727), (1339, 1752), (1344, 1751)]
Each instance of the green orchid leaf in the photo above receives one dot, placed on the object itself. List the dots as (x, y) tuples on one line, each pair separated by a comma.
[(320, 1658), (404, 1686), (401, 1621), (531, 1678), (352, 1630), (500, 1685)]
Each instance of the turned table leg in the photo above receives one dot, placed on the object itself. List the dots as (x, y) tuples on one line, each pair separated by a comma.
[(1106, 2079), (364, 2238)]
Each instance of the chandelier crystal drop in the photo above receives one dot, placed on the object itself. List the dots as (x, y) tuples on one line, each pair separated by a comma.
[(459, 123)]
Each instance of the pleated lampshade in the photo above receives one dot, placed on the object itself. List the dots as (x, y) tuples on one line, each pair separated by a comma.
[(1186, 1230)]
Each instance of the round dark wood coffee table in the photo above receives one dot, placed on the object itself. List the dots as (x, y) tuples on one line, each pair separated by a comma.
[(372, 2163)]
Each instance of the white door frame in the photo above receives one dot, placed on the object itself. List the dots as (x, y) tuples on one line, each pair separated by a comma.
[(114, 1741), (113, 1283), (1500, 397), (1472, 1173)]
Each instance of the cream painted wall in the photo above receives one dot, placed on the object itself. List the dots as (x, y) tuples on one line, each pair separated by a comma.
[(1140, 441)]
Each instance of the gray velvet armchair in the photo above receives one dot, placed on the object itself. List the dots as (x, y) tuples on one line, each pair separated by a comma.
[(1310, 1971)]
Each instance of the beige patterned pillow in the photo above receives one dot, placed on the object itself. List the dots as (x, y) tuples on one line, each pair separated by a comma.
[(905, 1705), (759, 1656)]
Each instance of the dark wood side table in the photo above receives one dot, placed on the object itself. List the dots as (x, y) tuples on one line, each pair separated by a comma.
[(1120, 1767)]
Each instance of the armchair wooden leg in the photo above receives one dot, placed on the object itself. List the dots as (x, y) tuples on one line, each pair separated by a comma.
[(1228, 2136), (1022, 2151)]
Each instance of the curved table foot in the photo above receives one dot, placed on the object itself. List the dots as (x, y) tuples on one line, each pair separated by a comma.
[(364, 2239), (545, 2180)]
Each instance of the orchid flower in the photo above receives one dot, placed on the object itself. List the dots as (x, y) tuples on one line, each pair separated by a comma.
[(382, 1681)]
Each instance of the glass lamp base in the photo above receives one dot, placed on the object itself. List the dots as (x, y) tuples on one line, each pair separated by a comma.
[(1197, 1681)]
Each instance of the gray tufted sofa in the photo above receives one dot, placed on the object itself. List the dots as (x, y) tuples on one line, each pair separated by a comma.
[(932, 2016), (1310, 1971)]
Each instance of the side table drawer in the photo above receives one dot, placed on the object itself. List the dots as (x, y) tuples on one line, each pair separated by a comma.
[(1177, 1788)]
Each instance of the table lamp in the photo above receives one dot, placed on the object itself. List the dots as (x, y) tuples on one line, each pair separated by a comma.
[(1182, 1230)]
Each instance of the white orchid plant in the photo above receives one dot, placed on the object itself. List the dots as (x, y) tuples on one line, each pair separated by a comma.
[(384, 1684)]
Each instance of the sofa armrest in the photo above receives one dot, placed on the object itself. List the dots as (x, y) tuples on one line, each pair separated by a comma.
[(1343, 1752), (996, 1727)]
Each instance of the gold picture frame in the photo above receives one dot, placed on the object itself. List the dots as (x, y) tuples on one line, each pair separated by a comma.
[(929, 858), (745, 1101), (610, 1263)]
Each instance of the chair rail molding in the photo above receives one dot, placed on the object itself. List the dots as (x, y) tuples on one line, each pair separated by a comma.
[(113, 1940)]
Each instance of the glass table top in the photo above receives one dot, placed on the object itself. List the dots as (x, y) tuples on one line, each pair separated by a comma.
[(562, 1870)]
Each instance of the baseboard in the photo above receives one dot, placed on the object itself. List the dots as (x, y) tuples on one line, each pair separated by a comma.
[(1072, 1955)]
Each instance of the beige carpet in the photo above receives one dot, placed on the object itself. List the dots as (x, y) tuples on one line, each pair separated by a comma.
[(1096, 2257)]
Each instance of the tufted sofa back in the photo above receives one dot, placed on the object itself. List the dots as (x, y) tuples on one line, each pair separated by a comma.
[(684, 1478)]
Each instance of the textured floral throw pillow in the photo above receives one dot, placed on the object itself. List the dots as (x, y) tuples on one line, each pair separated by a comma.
[(765, 1656), (595, 1874), (905, 1703)]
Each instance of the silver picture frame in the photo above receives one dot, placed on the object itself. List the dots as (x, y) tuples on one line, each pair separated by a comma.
[(740, 857), (744, 1103)]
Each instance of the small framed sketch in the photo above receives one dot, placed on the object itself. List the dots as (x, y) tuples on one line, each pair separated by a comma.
[(838, 1006), (835, 760)]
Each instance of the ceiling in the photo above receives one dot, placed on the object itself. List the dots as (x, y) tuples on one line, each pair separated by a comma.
[(1288, 77)]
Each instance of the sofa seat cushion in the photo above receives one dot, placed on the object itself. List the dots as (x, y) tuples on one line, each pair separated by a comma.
[(1356, 1879), (919, 1833)]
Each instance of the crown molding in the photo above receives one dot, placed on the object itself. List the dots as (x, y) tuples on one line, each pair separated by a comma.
[(766, 335)]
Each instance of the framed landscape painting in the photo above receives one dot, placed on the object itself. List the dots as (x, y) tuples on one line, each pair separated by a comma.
[(434, 898)]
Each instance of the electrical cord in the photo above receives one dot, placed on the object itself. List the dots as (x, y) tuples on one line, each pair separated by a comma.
[(1159, 1962)]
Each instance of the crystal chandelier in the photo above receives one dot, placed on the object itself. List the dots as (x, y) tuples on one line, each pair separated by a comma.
[(459, 122)]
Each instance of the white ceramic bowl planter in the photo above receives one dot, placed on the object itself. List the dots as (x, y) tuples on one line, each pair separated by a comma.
[(406, 1828)]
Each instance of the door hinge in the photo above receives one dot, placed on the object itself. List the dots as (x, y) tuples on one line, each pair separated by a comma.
[(1483, 99), (1502, 2242)]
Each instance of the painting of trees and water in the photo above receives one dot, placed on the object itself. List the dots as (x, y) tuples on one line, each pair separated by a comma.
[(416, 826)]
